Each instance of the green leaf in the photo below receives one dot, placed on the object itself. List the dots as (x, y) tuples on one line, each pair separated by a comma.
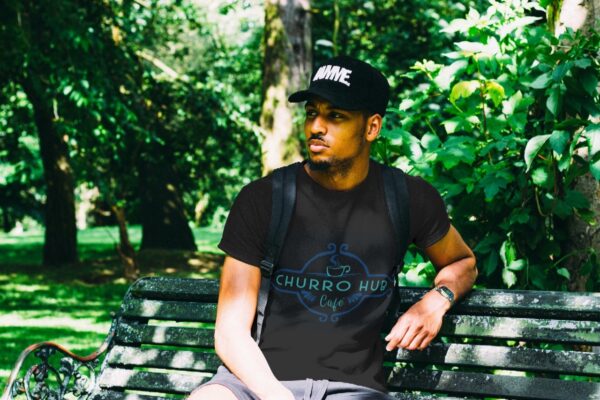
[(451, 125), (589, 81), (496, 92), (463, 89), (517, 265), (559, 141), (406, 104), (583, 63), (509, 278), (448, 74), (457, 149), (539, 176), (576, 199), (471, 47), (458, 25), (570, 123), (509, 106), (517, 121), (564, 273), (430, 141), (507, 29), (492, 183), (562, 209), (542, 81), (490, 264), (533, 147), (592, 133), (508, 252), (561, 70), (554, 101)]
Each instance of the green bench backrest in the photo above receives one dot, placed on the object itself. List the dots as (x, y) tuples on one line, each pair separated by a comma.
[(495, 343)]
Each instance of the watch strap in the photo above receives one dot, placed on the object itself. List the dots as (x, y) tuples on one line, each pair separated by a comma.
[(446, 293)]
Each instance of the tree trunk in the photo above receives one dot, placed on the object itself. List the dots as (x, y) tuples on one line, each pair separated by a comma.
[(164, 223), (287, 65), (8, 221), (581, 14), (574, 14), (131, 271), (60, 243)]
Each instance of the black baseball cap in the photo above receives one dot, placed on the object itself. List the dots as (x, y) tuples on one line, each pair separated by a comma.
[(349, 84)]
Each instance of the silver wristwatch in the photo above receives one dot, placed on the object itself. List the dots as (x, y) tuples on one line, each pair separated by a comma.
[(446, 293)]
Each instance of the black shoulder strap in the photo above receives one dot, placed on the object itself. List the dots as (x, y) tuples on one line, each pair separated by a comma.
[(396, 199), (282, 208)]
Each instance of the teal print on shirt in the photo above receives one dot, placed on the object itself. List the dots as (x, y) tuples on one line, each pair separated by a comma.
[(332, 283)]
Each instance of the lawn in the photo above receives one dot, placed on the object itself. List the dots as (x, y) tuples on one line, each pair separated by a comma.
[(72, 305)]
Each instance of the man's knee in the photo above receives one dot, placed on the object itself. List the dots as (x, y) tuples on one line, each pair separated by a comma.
[(212, 392)]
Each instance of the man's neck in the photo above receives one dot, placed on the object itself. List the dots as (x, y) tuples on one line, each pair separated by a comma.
[(341, 180)]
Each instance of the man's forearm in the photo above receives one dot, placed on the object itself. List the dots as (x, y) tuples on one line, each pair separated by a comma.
[(458, 276)]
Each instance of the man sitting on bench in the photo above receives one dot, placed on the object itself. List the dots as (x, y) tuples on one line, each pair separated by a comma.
[(332, 280)]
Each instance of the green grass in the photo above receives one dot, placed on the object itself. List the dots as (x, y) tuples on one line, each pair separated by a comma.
[(92, 244), (72, 304)]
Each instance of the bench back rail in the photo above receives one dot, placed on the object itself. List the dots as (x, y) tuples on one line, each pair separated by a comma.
[(493, 344)]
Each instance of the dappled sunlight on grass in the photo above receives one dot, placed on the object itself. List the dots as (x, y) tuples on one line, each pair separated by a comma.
[(73, 305), (93, 243)]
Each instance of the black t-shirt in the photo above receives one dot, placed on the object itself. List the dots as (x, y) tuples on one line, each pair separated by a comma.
[(333, 283)]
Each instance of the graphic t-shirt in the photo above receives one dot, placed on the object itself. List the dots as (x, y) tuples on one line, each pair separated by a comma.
[(334, 280)]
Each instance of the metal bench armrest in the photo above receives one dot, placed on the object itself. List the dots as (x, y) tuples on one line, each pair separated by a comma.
[(68, 376)]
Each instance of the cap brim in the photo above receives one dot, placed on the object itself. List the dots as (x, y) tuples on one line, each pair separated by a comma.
[(333, 98)]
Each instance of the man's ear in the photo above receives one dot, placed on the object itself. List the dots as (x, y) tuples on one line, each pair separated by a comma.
[(373, 128)]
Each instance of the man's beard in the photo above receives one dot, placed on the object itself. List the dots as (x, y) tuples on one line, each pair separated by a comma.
[(335, 165)]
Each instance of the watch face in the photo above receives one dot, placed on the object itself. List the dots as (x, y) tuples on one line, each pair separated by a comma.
[(446, 293)]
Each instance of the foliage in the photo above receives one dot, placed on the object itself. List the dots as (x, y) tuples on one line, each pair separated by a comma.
[(390, 34), (21, 174), (129, 83), (502, 127)]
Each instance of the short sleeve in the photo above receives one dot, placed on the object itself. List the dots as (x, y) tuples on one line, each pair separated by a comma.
[(246, 227), (429, 221)]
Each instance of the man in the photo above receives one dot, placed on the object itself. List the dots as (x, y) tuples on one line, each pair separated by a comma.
[(334, 279)]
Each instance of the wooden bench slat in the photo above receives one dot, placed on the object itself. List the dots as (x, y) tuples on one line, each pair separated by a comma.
[(170, 310), (168, 359), (473, 383), (566, 331), (114, 395), (131, 333), (160, 288), (150, 381), (539, 304), (519, 303), (520, 359)]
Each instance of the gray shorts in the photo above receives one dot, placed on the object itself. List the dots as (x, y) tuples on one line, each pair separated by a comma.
[(306, 389)]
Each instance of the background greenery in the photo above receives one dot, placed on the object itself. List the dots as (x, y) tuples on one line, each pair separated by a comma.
[(487, 104)]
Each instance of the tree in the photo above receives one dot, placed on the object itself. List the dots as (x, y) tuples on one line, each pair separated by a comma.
[(287, 65), (584, 236), (29, 34), (497, 127)]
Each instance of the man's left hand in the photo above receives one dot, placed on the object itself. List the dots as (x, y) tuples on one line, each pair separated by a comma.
[(417, 327)]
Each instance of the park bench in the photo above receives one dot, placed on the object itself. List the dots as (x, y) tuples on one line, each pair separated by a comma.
[(493, 344)]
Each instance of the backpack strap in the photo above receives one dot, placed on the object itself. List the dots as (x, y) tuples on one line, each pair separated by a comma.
[(396, 199), (282, 208)]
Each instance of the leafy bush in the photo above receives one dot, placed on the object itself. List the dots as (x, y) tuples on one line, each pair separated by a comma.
[(503, 128)]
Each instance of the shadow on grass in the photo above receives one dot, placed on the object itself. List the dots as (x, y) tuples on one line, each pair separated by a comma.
[(73, 304)]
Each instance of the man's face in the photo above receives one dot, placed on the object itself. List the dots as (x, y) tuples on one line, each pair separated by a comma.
[(334, 136)]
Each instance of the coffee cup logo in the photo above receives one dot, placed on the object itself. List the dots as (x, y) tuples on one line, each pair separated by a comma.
[(337, 271), (332, 283)]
